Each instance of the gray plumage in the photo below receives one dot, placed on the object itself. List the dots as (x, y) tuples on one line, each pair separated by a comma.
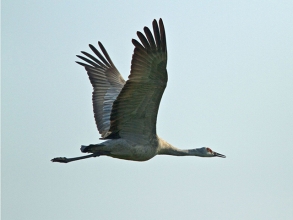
[(126, 112)]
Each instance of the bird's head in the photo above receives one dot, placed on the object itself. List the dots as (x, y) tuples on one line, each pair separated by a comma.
[(207, 152)]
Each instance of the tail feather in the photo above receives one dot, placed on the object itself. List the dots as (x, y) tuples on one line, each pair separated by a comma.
[(92, 148), (84, 149)]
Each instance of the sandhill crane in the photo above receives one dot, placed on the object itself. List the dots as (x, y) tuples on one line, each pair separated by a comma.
[(126, 112)]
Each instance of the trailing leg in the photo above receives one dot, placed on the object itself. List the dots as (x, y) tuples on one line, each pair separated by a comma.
[(67, 160)]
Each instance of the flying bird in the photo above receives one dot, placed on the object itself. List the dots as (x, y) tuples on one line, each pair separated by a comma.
[(126, 111)]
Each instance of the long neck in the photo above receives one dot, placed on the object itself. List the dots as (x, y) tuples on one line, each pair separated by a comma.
[(167, 149)]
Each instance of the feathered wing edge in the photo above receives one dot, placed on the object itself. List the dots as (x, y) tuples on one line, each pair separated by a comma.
[(107, 83), (134, 112)]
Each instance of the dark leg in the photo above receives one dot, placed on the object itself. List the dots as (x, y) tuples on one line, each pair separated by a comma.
[(67, 160)]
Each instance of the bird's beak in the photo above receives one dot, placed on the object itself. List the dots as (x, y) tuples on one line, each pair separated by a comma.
[(219, 155)]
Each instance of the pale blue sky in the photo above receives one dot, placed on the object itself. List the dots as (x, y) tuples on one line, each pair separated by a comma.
[(230, 88)]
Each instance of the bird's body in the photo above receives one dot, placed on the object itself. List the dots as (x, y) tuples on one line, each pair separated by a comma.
[(126, 112), (126, 149)]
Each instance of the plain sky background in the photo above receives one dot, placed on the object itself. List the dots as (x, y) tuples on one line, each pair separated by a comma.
[(230, 66)]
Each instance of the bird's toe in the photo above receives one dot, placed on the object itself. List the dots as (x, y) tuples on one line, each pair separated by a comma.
[(60, 159)]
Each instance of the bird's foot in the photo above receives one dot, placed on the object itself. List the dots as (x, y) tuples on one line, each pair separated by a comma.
[(60, 160)]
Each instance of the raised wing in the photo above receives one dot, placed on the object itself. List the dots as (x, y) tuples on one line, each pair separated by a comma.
[(107, 84), (134, 112)]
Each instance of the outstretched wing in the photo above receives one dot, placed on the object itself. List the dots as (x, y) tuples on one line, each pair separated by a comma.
[(134, 112), (107, 83)]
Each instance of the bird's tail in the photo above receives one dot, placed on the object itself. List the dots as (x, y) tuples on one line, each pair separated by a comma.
[(84, 149), (92, 148)]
